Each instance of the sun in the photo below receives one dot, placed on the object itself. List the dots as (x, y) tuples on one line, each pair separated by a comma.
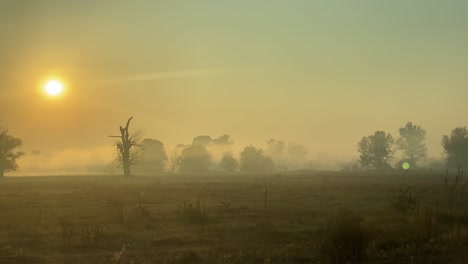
[(53, 88)]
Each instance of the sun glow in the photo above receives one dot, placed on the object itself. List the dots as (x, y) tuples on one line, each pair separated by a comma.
[(53, 88)]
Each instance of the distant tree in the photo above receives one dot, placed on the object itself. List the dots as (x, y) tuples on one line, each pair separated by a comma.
[(456, 147), (228, 162), (254, 160), (127, 142), (195, 158), (276, 148), (295, 157), (412, 143), (207, 140), (8, 156), (437, 163), (351, 165), (376, 150), (202, 140), (173, 161), (153, 157), (223, 140), (297, 151)]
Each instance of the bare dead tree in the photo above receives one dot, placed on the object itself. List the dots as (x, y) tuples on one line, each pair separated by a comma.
[(127, 157)]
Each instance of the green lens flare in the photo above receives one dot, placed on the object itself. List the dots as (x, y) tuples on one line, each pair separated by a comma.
[(405, 165)]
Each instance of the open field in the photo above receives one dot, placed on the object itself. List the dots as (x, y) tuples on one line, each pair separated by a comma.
[(303, 217)]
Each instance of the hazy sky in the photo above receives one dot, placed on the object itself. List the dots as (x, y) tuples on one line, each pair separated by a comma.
[(323, 73)]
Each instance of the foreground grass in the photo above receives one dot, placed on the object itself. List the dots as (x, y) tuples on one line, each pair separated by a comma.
[(321, 217)]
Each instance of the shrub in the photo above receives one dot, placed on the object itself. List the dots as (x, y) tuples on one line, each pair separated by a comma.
[(455, 190), (143, 212), (342, 239), (193, 214), (89, 234), (405, 202), (67, 231)]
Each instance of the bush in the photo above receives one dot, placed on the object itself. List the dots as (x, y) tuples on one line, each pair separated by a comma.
[(193, 214), (455, 190), (405, 202), (342, 239)]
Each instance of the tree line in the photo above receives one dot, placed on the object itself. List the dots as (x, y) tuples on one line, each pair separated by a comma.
[(377, 151), (148, 155)]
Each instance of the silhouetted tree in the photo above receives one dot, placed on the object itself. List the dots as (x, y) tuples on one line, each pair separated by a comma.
[(153, 157), (195, 158), (254, 160), (8, 156), (376, 150), (124, 147), (456, 147), (228, 162), (412, 143)]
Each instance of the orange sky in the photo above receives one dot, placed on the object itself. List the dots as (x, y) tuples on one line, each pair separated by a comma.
[(321, 73)]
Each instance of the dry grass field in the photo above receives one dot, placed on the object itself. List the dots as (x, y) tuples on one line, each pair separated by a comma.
[(301, 217)]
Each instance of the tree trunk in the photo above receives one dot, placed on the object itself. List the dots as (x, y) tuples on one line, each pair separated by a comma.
[(126, 145), (124, 148), (126, 162)]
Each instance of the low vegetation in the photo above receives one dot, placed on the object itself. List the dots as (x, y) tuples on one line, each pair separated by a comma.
[(355, 218)]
